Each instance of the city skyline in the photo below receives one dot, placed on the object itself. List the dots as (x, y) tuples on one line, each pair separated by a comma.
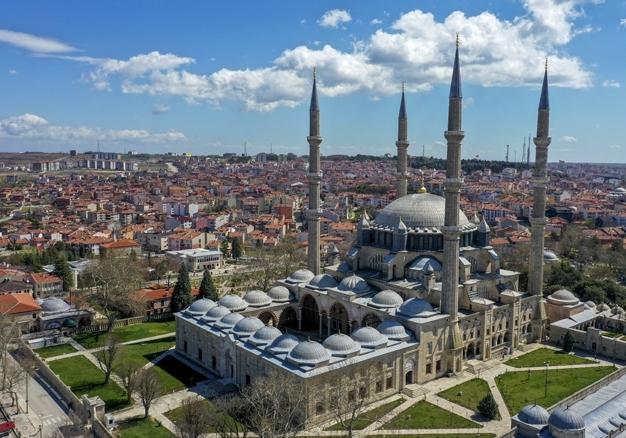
[(180, 79)]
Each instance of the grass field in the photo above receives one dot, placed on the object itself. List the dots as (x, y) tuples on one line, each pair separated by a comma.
[(438, 435), (519, 390), (212, 411), (537, 358), (143, 428), (467, 394), (83, 377), (425, 415), (127, 333), (55, 350), (368, 417)]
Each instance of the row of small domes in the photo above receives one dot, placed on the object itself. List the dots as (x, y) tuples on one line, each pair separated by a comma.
[(563, 419), (235, 303)]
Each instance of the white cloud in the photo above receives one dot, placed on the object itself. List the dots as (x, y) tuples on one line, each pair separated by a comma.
[(610, 83), (334, 18), (569, 139), (622, 22), (160, 108), (12, 71), (34, 127), (34, 43), (615, 146), (376, 21)]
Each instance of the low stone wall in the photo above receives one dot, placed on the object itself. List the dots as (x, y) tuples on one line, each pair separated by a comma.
[(103, 326), (99, 429), (577, 396)]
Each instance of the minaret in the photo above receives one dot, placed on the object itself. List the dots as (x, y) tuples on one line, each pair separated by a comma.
[(402, 144), (314, 177), (451, 229), (538, 219)]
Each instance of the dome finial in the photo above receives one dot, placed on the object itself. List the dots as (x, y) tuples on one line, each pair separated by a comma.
[(422, 188)]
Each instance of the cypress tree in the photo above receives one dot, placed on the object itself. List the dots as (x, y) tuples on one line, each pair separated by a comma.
[(236, 250), (181, 297), (207, 286), (62, 269)]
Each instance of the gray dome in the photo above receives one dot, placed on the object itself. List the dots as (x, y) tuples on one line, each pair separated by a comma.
[(279, 294), (566, 419), (264, 335), (426, 264), (590, 304), (308, 353), (415, 307), (229, 321), (386, 299), (533, 414), (234, 303), (549, 256), (355, 284), (323, 281), (369, 337), (201, 306), (393, 330), (602, 307), (283, 344), (54, 305), (620, 190), (216, 313), (257, 298), (341, 345), (563, 297), (300, 276), (418, 210), (247, 326)]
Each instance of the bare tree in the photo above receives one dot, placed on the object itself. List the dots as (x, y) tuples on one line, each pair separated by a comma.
[(11, 373), (347, 401), (128, 371), (108, 355), (148, 388), (195, 419)]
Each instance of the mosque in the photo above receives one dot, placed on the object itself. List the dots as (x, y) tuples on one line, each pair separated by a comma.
[(420, 295)]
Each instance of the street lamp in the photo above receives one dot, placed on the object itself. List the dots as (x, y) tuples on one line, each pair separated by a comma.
[(545, 392)]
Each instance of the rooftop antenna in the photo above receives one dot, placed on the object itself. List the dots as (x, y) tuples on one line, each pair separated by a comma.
[(507, 153), (423, 150), (245, 148)]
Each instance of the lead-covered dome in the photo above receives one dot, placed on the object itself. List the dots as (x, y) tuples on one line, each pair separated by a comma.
[(533, 414), (386, 299), (264, 335), (257, 298), (308, 353), (300, 276), (247, 326), (418, 210), (369, 337), (215, 313), (283, 344), (200, 307), (229, 321), (355, 284), (563, 297), (393, 330), (323, 281), (234, 303), (279, 294), (566, 419), (415, 307), (341, 345), (54, 305)]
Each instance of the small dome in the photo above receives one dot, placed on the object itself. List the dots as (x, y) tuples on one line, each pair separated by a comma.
[(549, 256), (620, 190), (617, 310), (234, 303), (341, 345), (563, 297), (229, 321), (264, 335), (323, 281), (247, 326), (257, 298), (355, 284), (283, 344), (415, 307), (215, 313), (566, 419), (300, 276), (308, 353), (602, 307), (54, 305), (426, 264), (201, 306), (369, 337), (533, 414), (393, 330), (279, 294), (386, 299), (590, 304)]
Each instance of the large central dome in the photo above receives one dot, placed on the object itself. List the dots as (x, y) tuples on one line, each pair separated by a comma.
[(418, 210)]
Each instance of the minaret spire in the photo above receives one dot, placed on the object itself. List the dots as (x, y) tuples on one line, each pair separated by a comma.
[(315, 177), (538, 219), (451, 229), (402, 145)]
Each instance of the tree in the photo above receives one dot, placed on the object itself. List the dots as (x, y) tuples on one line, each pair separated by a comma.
[(148, 388), (225, 248), (488, 407), (181, 297), (207, 286), (347, 403), (568, 342), (195, 418), (128, 371), (108, 355), (62, 270), (236, 249)]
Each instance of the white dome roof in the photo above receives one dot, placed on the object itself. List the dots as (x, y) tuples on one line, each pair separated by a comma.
[(393, 330), (549, 255), (355, 284), (369, 337), (386, 299), (300, 276), (323, 281), (620, 190), (247, 326), (234, 303), (341, 345), (533, 414), (201, 306), (264, 335), (229, 321), (283, 344), (426, 264), (566, 419), (215, 313), (308, 353), (257, 298), (563, 297), (602, 307), (54, 305), (415, 307), (279, 294), (590, 304)]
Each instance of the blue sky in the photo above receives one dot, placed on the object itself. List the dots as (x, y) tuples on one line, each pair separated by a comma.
[(206, 77)]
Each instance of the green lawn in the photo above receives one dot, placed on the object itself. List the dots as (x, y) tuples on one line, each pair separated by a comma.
[(367, 418), (425, 415), (127, 333), (144, 428), (518, 390), (55, 350), (467, 394), (83, 377), (438, 435), (536, 358), (212, 411)]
